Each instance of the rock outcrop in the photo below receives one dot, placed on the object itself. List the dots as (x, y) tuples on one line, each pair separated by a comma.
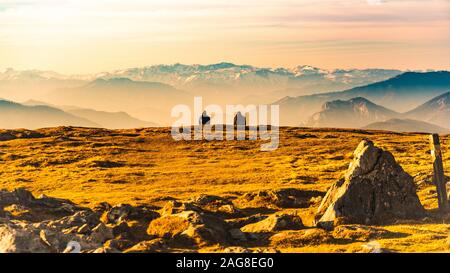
[(276, 222), (190, 228), (276, 199), (375, 190), (52, 225)]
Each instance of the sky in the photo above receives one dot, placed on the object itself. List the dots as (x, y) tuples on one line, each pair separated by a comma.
[(86, 36)]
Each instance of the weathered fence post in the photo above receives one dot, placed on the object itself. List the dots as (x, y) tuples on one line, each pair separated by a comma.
[(438, 172)]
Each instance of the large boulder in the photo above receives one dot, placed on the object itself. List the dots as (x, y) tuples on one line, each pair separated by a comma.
[(375, 190)]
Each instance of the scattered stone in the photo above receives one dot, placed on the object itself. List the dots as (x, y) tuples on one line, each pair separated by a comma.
[(18, 196), (23, 237), (85, 217), (266, 250), (217, 205), (104, 249), (210, 200), (276, 222), (190, 228), (126, 212), (201, 235), (102, 207), (118, 213), (153, 246), (236, 249), (6, 135), (237, 223), (174, 207), (57, 241), (16, 239), (375, 190), (20, 204), (276, 199), (120, 244), (18, 212), (122, 228), (101, 233)]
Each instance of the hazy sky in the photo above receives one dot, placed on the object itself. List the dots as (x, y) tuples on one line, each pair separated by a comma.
[(81, 36)]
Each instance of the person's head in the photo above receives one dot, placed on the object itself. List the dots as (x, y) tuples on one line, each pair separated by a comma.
[(204, 113)]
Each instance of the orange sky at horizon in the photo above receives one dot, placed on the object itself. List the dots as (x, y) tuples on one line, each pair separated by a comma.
[(82, 36)]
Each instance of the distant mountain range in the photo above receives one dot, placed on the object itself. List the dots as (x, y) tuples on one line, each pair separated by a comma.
[(402, 93), (432, 116), (149, 93), (15, 115), (207, 80), (36, 114), (353, 113), (111, 120), (119, 93), (280, 81), (435, 111)]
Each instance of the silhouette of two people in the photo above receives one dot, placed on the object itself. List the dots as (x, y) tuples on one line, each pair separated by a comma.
[(239, 119)]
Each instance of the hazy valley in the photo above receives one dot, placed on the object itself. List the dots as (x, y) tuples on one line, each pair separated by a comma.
[(142, 97)]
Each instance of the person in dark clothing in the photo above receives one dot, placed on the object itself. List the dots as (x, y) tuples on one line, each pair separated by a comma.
[(204, 119), (239, 119)]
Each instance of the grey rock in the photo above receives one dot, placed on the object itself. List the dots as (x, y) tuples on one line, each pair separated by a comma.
[(375, 190)]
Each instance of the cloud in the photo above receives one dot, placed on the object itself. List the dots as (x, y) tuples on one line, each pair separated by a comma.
[(234, 28)]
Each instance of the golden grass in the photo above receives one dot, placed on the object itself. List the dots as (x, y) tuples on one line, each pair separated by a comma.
[(146, 166)]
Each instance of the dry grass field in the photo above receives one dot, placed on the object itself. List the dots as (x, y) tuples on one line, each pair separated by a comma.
[(146, 166)]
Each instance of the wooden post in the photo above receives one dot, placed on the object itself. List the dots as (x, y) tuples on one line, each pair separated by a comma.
[(438, 174)]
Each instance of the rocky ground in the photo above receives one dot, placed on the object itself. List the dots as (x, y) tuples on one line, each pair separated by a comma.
[(373, 207)]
